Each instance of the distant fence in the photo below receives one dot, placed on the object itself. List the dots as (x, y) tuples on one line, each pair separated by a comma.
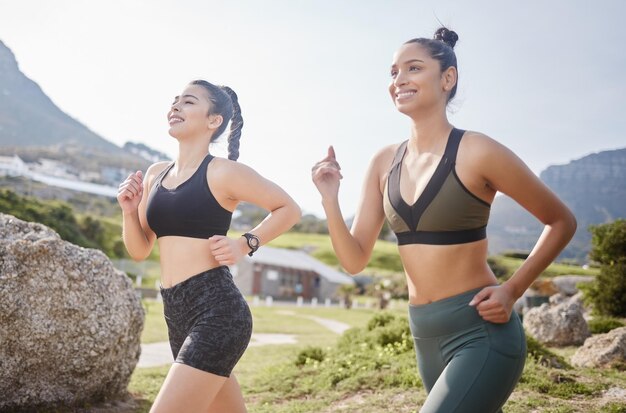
[(138, 270)]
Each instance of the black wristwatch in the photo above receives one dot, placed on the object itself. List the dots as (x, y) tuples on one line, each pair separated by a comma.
[(253, 242)]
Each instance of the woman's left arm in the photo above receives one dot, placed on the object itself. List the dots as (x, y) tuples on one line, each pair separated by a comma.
[(503, 171), (238, 183)]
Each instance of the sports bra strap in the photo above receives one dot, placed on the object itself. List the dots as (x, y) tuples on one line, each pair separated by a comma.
[(399, 153), (453, 146), (164, 172)]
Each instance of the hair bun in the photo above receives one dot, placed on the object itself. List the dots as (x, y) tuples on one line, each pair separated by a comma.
[(449, 37)]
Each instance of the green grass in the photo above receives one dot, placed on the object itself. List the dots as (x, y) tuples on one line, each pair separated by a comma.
[(154, 328), (555, 269), (145, 382), (366, 379), (385, 256)]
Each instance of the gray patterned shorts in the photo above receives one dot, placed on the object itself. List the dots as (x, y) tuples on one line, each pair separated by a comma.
[(208, 321)]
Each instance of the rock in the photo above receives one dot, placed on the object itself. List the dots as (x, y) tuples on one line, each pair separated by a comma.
[(566, 284), (559, 325), (70, 323), (578, 300), (558, 298), (616, 393), (602, 350)]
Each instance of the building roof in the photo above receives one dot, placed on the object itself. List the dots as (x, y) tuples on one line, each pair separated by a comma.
[(300, 260)]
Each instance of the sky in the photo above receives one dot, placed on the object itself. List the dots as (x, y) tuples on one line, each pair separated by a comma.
[(544, 78)]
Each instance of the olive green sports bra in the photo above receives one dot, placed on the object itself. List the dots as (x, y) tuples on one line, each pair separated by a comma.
[(445, 213)]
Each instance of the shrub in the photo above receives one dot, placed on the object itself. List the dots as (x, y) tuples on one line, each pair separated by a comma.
[(309, 354), (89, 232), (608, 242), (374, 357), (380, 320), (516, 254), (497, 268), (607, 293), (603, 324)]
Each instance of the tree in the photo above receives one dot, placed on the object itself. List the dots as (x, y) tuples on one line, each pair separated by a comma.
[(608, 292), (345, 291)]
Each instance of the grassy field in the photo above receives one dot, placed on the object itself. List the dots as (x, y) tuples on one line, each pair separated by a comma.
[(387, 379), (380, 379), (145, 382), (553, 270)]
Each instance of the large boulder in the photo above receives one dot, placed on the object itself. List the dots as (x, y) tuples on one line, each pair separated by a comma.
[(559, 325), (576, 299), (70, 323), (603, 350)]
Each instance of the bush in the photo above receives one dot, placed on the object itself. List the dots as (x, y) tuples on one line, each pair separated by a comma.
[(607, 293), (608, 242), (522, 255), (380, 320), (602, 324), (498, 269), (378, 356), (309, 354), (89, 232)]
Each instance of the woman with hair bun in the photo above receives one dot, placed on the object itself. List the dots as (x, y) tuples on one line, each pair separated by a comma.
[(436, 189), (187, 206)]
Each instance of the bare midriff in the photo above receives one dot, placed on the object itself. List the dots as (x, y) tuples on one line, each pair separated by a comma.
[(435, 272), (183, 257)]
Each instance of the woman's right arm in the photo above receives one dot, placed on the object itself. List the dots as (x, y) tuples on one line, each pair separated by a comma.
[(353, 247), (132, 196)]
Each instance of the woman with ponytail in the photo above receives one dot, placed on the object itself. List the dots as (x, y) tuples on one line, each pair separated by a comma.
[(187, 206), (436, 189)]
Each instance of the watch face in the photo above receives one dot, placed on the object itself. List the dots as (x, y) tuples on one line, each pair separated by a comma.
[(253, 242)]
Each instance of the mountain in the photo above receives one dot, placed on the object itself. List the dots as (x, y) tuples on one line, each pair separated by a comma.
[(145, 152), (593, 187), (33, 127)]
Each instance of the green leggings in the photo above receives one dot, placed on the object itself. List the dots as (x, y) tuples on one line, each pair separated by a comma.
[(467, 364)]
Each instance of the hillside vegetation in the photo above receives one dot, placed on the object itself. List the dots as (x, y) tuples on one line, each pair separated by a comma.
[(74, 220)]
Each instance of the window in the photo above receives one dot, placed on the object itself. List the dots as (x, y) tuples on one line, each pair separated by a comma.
[(272, 275)]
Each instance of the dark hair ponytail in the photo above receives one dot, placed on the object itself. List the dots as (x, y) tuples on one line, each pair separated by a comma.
[(441, 47), (236, 124), (226, 104)]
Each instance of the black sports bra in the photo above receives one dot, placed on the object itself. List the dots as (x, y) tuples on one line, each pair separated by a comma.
[(189, 210), (445, 213)]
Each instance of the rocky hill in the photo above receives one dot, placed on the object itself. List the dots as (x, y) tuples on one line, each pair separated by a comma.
[(33, 127), (594, 187)]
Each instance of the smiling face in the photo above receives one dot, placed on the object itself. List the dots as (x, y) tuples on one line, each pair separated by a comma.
[(189, 114), (417, 81)]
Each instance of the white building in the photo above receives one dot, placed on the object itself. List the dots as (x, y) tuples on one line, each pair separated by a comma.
[(287, 274), (12, 166)]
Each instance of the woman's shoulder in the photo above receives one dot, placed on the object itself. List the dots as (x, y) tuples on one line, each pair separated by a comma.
[(484, 152), (156, 168), (477, 138), (383, 157), (222, 168), (480, 144)]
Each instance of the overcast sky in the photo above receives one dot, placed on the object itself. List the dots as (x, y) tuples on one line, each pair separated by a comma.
[(545, 78)]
